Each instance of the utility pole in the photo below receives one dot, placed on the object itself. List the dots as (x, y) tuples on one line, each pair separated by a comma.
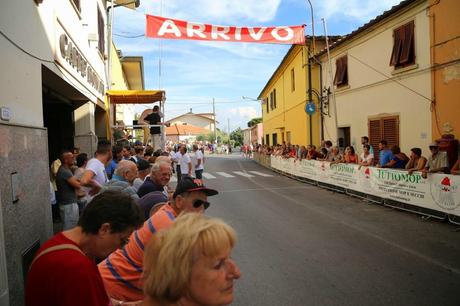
[(228, 126), (214, 115)]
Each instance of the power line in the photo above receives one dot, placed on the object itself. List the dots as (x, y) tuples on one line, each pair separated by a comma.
[(25, 51), (129, 36)]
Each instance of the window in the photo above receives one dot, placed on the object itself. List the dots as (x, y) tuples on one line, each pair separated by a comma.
[(292, 80), (383, 128), (266, 103), (341, 71), (403, 53), (275, 139), (100, 29), (274, 98), (271, 100), (267, 139), (288, 137)]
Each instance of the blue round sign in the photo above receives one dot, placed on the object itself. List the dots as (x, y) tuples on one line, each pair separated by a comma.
[(310, 108)]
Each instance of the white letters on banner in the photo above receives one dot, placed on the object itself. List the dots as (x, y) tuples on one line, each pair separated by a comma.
[(438, 192)]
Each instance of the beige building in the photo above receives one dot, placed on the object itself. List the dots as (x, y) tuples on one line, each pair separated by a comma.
[(202, 120), (380, 81)]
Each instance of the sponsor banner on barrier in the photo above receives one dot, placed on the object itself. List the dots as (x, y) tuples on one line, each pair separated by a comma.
[(439, 192)]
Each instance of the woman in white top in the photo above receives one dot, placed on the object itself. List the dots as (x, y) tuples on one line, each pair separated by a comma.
[(366, 158)]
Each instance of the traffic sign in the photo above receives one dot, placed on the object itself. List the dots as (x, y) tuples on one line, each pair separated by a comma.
[(310, 108)]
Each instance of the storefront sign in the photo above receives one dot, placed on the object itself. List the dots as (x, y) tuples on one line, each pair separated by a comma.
[(438, 192), (73, 60), (160, 27)]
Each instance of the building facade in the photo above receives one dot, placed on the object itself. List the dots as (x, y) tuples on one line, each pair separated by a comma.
[(444, 19), (52, 98), (257, 133), (380, 85), (202, 120), (284, 98)]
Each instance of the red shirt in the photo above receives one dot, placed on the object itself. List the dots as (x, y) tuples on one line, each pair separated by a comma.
[(64, 277)]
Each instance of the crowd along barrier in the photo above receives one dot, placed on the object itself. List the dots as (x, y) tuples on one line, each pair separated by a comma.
[(437, 196)]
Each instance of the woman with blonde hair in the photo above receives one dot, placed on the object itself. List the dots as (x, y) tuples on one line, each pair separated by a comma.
[(190, 264)]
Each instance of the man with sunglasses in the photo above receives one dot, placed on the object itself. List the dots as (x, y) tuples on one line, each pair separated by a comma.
[(121, 271)]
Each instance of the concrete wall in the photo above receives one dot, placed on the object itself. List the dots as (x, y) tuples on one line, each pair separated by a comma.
[(404, 92)]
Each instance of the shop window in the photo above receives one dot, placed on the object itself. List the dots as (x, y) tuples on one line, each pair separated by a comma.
[(101, 32), (403, 53), (292, 80), (386, 128), (341, 71)]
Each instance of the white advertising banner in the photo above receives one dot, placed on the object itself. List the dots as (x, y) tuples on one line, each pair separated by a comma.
[(438, 192)]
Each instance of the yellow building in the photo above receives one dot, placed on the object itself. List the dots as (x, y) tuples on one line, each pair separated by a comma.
[(284, 99), (445, 48)]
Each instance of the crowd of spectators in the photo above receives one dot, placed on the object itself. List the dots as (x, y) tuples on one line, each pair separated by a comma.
[(118, 204), (386, 157)]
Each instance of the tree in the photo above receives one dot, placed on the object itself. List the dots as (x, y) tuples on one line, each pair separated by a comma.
[(254, 121), (237, 136), (201, 137)]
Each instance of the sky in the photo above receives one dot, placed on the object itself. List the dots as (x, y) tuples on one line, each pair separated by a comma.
[(194, 72)]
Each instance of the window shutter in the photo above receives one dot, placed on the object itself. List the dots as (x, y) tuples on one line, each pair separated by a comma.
[(100, 28), (390, 130), (408, 44), (396, 47), (338, 70), (375, 136)]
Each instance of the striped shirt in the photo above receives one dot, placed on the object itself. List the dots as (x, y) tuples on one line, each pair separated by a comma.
[(121, 271)]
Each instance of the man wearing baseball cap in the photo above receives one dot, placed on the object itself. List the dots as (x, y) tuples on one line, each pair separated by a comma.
[(437, 161), (121, 271)]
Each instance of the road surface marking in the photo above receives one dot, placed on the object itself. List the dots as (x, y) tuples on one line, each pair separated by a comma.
[(208, 176), (243, 174), (261, 174), (225, 174)]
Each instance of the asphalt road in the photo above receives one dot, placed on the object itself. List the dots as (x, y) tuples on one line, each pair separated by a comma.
[(302, 245)]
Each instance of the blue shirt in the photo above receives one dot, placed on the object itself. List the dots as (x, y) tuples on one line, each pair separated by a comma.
[(385, 156), (110, 169)]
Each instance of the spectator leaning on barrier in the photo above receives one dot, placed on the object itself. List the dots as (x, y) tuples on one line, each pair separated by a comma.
[(366, 159), (365, 141), (416, 161), (172, 278), (350, 156), (385, 154), (335, 156), (437, 161), (122, 270), (64, 270), (398, 160)]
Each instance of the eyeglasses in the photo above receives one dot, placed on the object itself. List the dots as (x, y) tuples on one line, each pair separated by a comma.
[(197, 203)]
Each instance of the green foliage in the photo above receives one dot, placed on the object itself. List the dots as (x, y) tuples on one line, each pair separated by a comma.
[(237, 136), (254, 121)]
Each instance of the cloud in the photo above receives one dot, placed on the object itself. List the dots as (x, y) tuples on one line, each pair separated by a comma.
[(244, 111)]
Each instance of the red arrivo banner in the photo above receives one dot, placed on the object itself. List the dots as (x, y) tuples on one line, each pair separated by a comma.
[(160, 27)]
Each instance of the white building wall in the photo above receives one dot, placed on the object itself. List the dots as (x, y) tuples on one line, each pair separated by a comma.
[(375, 89), (194, 120)]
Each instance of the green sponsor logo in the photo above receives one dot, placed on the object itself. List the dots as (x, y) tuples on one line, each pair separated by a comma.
[(343, 168), (399, 176)]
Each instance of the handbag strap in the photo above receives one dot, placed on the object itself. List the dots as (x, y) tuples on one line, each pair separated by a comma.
[(67, 246)]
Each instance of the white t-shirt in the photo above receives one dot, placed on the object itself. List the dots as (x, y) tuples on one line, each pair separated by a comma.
[(367, 159), (95, 166), (184, 161), (195, 157)]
